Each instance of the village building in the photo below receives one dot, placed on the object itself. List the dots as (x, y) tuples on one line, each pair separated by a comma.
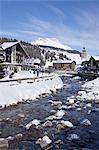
[(92, 64), (13, 56), (84, 53), (34, 62), (66, 65)]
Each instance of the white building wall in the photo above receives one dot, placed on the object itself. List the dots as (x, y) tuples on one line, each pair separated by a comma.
[(13, 55)]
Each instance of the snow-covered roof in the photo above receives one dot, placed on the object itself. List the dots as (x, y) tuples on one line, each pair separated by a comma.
[(51, 42), (37, 61), (74, 57), (48, 64), (1, 48), (88, 58), (96, 57), (63, 61), (6, 45)]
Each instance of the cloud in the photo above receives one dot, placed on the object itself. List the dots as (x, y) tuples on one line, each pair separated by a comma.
[(56, 10), (6, 33), (31, 33), (86, 33), (35, 24), (83, 30)]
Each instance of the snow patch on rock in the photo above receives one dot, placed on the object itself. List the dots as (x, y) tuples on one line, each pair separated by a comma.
[(33, 122)]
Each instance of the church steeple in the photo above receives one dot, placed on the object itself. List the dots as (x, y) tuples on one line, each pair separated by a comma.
[(84, 53)]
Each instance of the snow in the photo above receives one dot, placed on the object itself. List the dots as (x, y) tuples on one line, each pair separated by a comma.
[(67, 123), (12, 92), (71, 101), (62, 61), (32, 61), (46, 139), (60, 113), (44, 142), (55, 102), (25, 74), (73, 137), (48, 64), (96, 57), (37, 60), (51, 42), (47, 124), (33, 122), (74, 57), (8, 44), (86, 122), (89, 56), (90, 90)]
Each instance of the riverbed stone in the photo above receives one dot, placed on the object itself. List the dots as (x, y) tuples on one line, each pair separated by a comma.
[(19, 135), (4, 144), (44, 142), (52, 112), (89, 112), (88, 105), (73, 137), (35, 132), (67, 124), (34, 122), (47, 124), (21, 115), (71, 101), (59, 127), (86, 122), (79, 109), (60, 113)]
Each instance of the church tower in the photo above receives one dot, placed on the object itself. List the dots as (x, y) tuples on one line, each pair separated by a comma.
[(84, 53)]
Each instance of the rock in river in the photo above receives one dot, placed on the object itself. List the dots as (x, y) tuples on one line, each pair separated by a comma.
[(33, 122), (44, 142), (67, 124), (60, 113), (47, 124), (86, 122), (73, 137)]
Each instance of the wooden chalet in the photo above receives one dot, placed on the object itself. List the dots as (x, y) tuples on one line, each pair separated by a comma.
[(64, 65), (12, 55)]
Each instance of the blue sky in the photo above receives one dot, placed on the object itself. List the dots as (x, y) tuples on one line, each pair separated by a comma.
[(73, 22)]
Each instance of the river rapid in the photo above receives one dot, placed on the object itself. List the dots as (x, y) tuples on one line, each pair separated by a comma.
[(13, 120)]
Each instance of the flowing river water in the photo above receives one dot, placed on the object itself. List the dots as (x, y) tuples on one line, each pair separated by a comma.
[(13, 120)]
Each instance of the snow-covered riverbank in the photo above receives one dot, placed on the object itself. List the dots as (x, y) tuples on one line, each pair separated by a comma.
[(13, 92), (90, 91)]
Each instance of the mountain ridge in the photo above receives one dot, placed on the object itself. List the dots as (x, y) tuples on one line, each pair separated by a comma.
[(53, 42)]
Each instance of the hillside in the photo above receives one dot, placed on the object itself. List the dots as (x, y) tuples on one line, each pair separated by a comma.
[(53, 42), (54, 50)]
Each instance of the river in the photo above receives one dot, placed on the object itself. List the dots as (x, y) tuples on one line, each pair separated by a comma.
[(15, 118)]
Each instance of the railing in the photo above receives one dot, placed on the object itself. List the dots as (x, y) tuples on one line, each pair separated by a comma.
[(23, 79)]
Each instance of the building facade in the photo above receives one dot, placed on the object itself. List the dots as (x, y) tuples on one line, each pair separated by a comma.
[(64, 65), (12, 55), (13, 52), (92, 64)]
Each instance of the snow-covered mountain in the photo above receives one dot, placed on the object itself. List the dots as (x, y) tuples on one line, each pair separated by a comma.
[(53, 45), (53, 42)]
